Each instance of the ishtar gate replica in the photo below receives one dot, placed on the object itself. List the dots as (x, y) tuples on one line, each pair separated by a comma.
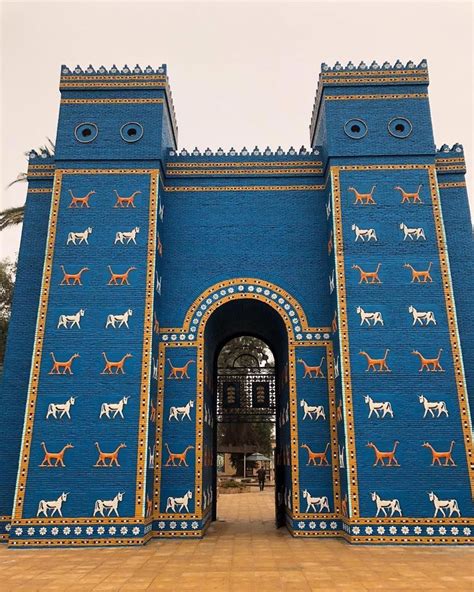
[(352, 260)]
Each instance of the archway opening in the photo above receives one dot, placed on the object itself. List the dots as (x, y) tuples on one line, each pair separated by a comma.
[(246, 390)]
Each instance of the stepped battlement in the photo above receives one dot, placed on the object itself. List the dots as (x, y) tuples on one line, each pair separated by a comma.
[(374, 66), (455, 149), (243, 152)]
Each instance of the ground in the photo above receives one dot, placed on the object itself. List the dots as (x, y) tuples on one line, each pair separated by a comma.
[(241, 552)]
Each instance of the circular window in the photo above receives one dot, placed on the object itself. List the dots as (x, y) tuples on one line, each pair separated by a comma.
[(400, 127), (355, 128), (131, 132), (86, 132)]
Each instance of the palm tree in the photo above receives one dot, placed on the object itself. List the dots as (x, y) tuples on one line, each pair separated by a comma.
[(11, 217), (14, 216)]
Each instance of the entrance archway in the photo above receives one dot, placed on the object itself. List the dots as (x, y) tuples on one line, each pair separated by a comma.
[(184, 450), (255, 318)]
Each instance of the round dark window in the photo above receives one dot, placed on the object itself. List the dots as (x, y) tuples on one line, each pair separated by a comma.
[(400, 127), (86, 132), (355, 128), (131, 132)]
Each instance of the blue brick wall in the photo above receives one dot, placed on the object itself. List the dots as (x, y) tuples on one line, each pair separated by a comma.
[(402, 386), (460, 244), (21, 334)]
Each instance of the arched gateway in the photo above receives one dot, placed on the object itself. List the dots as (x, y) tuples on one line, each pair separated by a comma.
[(249, 306), (352, 259)]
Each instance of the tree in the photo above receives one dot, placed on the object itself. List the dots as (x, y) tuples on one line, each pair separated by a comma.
[(14, 216), (7, 283), (11, 217), (238, 351), (258, 435)]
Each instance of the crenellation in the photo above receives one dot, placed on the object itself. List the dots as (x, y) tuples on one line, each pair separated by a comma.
[(244, 152)]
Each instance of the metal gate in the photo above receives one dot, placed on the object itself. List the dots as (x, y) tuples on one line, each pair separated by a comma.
[(246, 394)]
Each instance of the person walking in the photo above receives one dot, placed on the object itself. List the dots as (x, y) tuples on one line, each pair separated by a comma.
[(261, 474)]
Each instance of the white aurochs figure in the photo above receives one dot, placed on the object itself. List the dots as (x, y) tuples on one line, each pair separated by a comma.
[(331, 282), (374, 407), (54, 506), (115, 408), (367, 317), (158, 283), (318, 410), (185, 411), (72, 237), (130, 236), (342, 464), (151, 456), (424, 318), (412, 233), (441, 505), (288, 499), (383, 505), (70, 321), (364, 233), (312, 502), (431, 406), (121, 319), (328, 208), (110, 505), (182, 502), (61, 408)]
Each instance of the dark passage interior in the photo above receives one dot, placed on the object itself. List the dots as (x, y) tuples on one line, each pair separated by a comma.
[(253, 399)]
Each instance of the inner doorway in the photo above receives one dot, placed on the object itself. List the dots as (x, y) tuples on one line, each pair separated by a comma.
[(245, 416), (246, 391)]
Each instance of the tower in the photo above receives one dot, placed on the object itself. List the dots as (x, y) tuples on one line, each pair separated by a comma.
[(395, 323), (101, 260)]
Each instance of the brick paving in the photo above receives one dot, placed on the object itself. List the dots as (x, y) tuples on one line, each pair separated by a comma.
[(241, 552)]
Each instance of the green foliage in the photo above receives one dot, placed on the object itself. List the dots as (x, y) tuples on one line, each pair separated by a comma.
[(7, 283), (11, 217), (229, 484), (246, 351), (257, 435)]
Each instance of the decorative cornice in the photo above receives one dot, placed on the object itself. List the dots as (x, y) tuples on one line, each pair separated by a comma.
[(450, 160)]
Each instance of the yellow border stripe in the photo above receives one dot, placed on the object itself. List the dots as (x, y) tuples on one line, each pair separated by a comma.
[(136, 101), (375, 97)]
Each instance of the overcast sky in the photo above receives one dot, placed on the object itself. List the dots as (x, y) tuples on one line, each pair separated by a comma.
[(242, 73)]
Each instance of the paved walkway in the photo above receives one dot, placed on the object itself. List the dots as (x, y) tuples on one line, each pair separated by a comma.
[(242, 552)]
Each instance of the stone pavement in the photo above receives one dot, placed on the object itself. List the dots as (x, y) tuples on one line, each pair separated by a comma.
[(242, 552)]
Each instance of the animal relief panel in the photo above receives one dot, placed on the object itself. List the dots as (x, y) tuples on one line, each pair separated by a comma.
[(317, 454), (83, 443), (405, 386), (178, 433)]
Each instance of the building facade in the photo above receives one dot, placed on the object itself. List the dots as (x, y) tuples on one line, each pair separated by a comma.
[(352, 260)]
